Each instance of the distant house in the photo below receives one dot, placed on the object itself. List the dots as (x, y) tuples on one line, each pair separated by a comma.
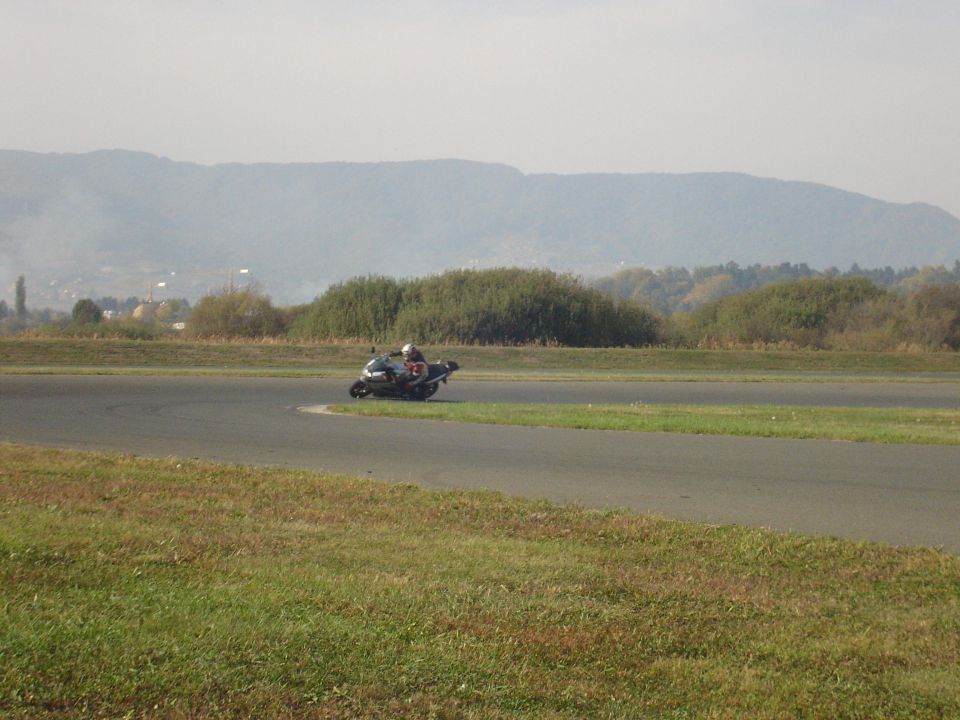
[(147, 312)]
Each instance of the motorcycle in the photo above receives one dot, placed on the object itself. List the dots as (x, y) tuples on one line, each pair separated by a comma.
[(382, 377)]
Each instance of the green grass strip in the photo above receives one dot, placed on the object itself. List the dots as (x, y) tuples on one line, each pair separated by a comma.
[(22, 353), (881, 425), (179, 589)]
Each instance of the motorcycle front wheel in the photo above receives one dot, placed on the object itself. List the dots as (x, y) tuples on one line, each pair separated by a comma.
[(360, 389)]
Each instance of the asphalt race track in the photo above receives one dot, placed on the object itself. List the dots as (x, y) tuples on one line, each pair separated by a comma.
[(900, 494)]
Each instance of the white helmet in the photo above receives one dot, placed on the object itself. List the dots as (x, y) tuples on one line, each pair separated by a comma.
[(408, 350)]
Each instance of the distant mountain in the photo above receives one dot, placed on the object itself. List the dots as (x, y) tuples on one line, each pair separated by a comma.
[(117, 222)]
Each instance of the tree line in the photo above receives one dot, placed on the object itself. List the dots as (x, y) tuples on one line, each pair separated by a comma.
[(673, 289), (87, 318), (510, 306)]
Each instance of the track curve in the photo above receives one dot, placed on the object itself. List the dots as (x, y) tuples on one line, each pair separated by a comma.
[(895, 494)]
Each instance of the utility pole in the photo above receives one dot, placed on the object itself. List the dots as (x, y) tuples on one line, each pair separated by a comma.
[(150, 290), (242, 271)]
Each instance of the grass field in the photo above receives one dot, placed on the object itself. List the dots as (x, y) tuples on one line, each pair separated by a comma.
[(884, 425), (26, 354), (177, 589)]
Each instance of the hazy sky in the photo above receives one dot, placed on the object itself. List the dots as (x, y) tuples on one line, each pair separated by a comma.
[(859, 94)]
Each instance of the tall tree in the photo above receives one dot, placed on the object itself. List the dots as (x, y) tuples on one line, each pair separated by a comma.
[(21, 298)]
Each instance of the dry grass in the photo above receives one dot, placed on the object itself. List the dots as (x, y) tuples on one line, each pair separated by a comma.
[(66, 354)]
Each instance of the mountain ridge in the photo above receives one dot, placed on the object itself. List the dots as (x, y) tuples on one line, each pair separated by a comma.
[(114, 221)]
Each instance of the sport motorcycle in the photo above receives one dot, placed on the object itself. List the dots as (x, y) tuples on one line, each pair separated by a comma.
[(383, 377)]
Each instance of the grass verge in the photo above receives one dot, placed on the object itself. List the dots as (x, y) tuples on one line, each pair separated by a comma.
[(30, 354), (171, 588), (883, 425)]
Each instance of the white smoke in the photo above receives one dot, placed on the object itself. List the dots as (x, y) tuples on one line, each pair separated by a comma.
[(52, 245)]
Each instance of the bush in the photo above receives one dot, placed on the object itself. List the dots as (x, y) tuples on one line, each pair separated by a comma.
[(800, 312), (234, 314), (504, 306), (87, 312), (359, 308), (874, 326), (932, 316)]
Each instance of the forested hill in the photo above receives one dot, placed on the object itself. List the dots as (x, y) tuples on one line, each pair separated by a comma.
[(114, 222)]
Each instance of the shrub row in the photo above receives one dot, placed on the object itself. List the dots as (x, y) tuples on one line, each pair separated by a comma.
[(843, 313), (512, 307), (503, 306)]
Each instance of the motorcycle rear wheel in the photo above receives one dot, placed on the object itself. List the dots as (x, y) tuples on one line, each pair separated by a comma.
[(425, 391), (360, 389)]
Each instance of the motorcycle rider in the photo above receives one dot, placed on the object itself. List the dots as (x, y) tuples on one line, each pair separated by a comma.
[(415, 364)]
